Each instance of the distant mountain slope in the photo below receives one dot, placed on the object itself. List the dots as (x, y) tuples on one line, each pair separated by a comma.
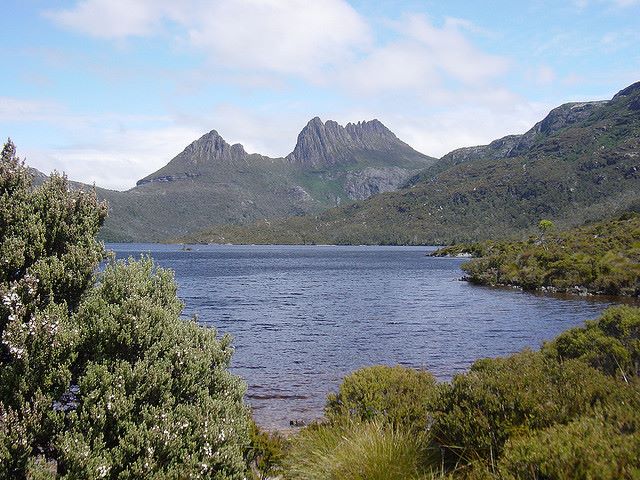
[(581, 163), (516, 145), (213, 182)]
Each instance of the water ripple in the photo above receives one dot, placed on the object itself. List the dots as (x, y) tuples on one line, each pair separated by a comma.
[(303, 317)]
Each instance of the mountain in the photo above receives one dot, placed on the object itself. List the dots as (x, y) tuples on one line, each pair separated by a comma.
[(212, 182), (516, 145), (581, 163)]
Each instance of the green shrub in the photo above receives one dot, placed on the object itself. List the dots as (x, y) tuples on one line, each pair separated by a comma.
[(156, 396), (503, 397), (49, 253), (605, 445), (601, 258), (397, 396), (266, 453), (359, 451), (102, 380), (610, 343)]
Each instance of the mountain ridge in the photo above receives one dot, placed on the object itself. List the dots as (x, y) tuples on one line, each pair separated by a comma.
[(214, 182), (580, 163)]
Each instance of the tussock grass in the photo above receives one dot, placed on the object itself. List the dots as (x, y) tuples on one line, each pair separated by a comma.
[(361, 451)]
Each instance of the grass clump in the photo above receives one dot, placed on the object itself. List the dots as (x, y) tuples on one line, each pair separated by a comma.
[(359, 451)]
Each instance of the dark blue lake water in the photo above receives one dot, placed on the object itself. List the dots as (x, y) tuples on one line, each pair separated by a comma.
[(303, 317)]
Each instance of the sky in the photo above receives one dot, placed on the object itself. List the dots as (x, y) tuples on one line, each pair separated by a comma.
[(109, 91)]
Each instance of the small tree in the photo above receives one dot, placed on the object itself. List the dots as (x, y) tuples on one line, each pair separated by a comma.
[(49, 253), (545, 226)]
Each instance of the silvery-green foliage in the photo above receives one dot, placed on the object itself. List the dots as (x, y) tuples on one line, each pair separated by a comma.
[(156, 397), (101, 379)]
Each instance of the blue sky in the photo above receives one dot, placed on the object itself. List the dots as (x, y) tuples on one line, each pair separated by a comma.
[(110, 90)]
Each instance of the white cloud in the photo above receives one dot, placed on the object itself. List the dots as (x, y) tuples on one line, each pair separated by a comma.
[(282, 36), (424, 57), (440, 133), (431, 84), (112, 18), (493, 113), (21, 110), (118, 158), (582, 4), (112, 150)]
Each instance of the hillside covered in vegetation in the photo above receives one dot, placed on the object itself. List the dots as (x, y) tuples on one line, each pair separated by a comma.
[(579, 164), (601, 258)]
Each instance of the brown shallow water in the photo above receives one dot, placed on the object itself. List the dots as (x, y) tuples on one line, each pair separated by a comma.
[(303, 317)]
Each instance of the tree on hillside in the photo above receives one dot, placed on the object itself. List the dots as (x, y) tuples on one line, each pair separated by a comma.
[(99, 375)]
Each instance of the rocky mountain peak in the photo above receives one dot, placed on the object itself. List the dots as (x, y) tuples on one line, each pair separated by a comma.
[(211, 146), (328, 143), (565, 115), (203, 153), (630, 90)]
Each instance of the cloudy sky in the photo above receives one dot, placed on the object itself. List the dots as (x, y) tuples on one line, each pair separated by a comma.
[(110, 90)]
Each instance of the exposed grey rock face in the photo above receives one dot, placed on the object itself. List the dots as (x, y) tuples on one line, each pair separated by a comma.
[(321, 144), (362, 184), (204, 152), (212, 182), (212, 146)]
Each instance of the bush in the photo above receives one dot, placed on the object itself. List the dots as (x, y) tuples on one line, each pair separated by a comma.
[(610, 343), (605, 446), (102, 380), (602, 258), (397, 396), (266, 454), (156, 397), (49, 253), (503, 397)]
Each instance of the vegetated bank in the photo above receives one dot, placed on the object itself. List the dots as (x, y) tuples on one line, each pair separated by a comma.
[(570, 410), (601, 258)]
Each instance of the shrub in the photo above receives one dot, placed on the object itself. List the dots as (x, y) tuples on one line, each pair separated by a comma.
[(396, 396), (156, 396), (610, 343), (102, 380), (266, 454), (503, 397), (601, 258), (49, 253), (605, 446)]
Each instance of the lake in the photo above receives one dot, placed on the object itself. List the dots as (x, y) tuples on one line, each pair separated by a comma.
[(303, 317)]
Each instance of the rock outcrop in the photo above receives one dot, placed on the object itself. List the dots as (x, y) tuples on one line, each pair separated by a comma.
[(327, 143), (202, 153), (212, 182)]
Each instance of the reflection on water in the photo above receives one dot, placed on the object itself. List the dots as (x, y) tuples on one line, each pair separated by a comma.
[(302, 317)]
